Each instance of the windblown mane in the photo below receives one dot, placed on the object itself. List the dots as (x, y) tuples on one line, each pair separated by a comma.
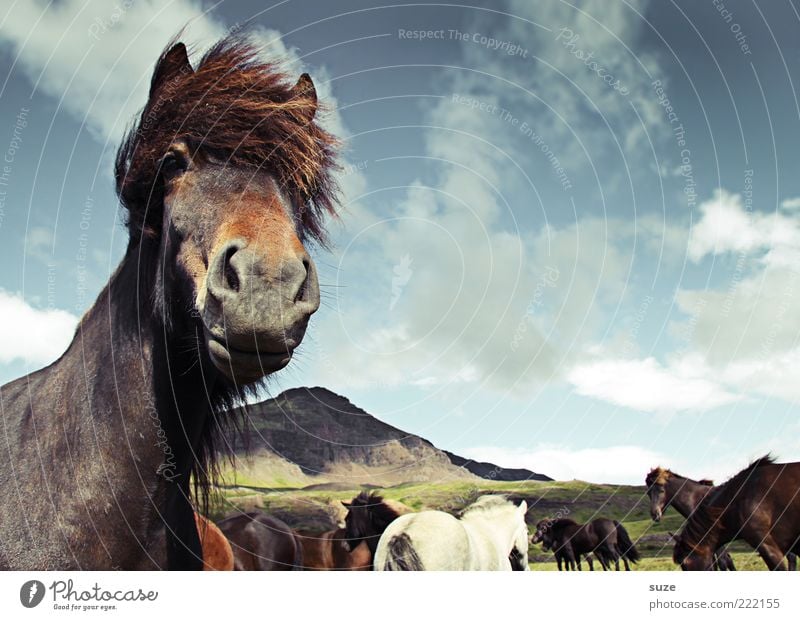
[(243, 111), (379, 511), (708, 514), (486, 502)]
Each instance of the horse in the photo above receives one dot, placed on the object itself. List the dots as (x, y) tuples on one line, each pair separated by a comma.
[(224, 178), (217, 552), (490, 534), (331, 551), (262, 542), (666, 488), (368, 516), (606, 538), (760, 505)]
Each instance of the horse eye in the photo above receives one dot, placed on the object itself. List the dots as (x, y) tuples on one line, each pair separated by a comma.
[(173, 164)]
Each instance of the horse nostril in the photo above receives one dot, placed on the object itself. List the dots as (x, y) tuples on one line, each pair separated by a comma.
[(229, 271), (224, 275), (302, 291)]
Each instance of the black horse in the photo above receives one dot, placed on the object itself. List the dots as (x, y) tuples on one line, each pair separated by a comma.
[(368, 516), (223, 178), (606, 539)]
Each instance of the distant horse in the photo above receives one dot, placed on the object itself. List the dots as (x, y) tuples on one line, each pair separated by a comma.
[(490, 534), (224, 177), (331, 551), (368, 516), (666, 488), (760, 505), (607, 539), (261, 542), (217, 552)]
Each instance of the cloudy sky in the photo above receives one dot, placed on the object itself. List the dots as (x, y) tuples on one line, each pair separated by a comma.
[(569, 235)]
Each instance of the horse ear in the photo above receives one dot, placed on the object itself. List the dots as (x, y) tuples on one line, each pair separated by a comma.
[(346, 505), (523, 507), (172, 63), (304, 89)]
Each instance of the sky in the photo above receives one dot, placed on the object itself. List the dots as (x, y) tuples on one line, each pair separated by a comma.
[(569, 232)]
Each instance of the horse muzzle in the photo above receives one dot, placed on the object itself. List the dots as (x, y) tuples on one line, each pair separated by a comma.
[(256, 309)]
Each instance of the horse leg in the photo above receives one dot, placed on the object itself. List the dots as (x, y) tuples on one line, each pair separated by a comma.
[(590, 562), (558, 561), (771, 554), (791, 559)]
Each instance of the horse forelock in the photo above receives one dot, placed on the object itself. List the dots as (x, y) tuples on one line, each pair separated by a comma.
[(242, 110), (658, 475)]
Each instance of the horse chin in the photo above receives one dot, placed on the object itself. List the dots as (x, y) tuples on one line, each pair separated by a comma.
[(244, 367)]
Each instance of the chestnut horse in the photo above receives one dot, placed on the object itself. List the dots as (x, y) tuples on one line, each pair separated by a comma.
[(760, 505), (330, 551), (224, 177), (217, 552)]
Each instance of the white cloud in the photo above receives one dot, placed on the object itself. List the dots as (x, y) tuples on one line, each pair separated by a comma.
[(614, 464), (36, 336), (790, 204), (729, 224), (646, 385)]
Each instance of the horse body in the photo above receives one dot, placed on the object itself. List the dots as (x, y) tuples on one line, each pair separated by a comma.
[(666, 488), (489, 535), (759, 505), (330, 551), (223, 177), (217, 551), (262, 542), (606, 539)]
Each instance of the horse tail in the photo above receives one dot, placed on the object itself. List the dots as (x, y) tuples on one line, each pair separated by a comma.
[(626, 547), (401, 555)]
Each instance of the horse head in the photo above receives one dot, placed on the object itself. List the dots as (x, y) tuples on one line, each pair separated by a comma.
[(224, 176), (656, 481)]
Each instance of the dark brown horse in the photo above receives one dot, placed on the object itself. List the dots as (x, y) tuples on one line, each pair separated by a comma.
[(569, 540), (330, 551), (224, 177), (760, 505), (666, 488), (262, 542), (368, 516)]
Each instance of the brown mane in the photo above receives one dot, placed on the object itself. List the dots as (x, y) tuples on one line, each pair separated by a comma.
[(241, 110)]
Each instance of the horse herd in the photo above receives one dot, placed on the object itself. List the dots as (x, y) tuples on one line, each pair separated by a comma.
[(759, 505)]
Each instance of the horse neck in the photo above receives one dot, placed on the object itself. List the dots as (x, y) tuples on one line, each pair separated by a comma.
[(491, 524), (684, 494)]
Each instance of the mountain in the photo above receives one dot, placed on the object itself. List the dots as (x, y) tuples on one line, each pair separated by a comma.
[(314, 436), (490, 471)]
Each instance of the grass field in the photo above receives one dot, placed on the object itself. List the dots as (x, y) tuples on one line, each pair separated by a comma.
[(319, 508)]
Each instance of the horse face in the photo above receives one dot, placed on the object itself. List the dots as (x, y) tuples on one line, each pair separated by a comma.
[(657, 494), (354, 527), (236, 242)]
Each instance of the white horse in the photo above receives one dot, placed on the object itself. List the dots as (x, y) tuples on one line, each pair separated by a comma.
[(490, 535)]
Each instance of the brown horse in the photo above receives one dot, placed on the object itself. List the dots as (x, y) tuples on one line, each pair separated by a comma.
[(570, 540), (330, 551), (217, 552), (261, 542), (760, 505), (666, 488), (368, 516), (224, 177)]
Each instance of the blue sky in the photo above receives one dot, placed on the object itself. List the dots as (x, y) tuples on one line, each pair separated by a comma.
[(568, 238)]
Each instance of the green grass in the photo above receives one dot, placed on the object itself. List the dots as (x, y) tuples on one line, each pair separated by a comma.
[(319, 508)]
